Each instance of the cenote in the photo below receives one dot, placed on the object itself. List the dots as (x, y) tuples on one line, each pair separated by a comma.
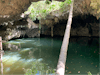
[(25, 27), (40, 56)]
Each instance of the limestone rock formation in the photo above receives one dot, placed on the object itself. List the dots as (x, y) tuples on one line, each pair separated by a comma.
[(13, 26), (20, 28), (12, 9)]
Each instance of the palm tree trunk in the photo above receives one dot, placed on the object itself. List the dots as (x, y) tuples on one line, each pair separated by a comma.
[(64, 47), (1, 54)]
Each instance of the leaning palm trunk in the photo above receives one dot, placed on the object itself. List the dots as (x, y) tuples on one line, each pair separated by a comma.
[(64, 47), (1, 54)]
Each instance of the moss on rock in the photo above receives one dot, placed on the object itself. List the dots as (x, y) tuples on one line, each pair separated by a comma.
[(41, 9)]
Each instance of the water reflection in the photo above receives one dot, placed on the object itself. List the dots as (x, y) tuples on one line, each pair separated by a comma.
[(83, 56), (41, 56), (25, 54)]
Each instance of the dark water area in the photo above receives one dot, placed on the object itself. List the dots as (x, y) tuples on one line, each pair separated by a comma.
[(83, 56), (41, 55)]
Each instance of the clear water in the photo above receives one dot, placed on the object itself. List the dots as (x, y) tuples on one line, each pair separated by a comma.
[(83, 56), (41, 55)]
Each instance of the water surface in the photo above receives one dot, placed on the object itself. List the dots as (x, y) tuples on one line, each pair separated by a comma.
[(41, 55)]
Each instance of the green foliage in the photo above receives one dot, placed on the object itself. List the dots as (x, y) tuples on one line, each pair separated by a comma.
[(68, 1), (39, 26), (41, 67), (41, 8), (89, 73)]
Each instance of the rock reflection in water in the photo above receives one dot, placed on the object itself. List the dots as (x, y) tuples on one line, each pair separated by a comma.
[(31, 50), (87, 41), (83, 56), (13, 47)]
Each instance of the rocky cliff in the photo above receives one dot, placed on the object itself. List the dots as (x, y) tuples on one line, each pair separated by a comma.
[(85, 20)]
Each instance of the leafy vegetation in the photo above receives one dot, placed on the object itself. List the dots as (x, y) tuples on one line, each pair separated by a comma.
[(41, 8), (39, 67), (89, 73)]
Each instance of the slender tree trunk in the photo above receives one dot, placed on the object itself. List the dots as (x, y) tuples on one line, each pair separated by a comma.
[(1, 54), (0, 43), (64, 47), (51, 31)]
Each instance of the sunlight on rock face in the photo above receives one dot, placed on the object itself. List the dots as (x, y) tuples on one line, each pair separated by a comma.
[(4, 16), (13, 33)]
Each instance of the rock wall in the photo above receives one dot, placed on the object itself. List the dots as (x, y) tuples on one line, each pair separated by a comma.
[(20, 28), (86, 25), (12, 26), (12, 9)]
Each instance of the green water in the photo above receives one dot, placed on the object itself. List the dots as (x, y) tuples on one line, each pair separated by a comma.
[(41, 55), (83, 56)]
